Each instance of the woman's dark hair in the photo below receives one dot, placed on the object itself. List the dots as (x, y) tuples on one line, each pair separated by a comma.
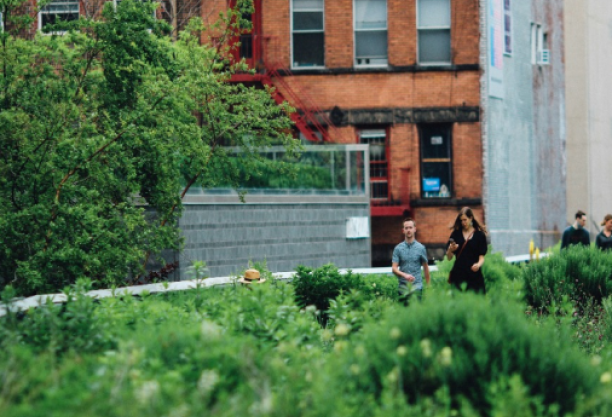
[(606, 219), (470, 215)]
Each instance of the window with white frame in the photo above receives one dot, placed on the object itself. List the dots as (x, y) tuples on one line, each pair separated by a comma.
[(58, 11), (539, 45), (308, 33), (507, 27), (379, 173), (434, 31), (370, 24)]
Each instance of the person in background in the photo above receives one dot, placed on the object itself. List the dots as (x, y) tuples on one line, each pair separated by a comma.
[(576, 234), (604, 239), (408, 258), (468, 244)]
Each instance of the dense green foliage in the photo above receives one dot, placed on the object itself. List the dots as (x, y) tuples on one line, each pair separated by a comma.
[(466, 344), (319, 286), (575, 273), (253, 351), (295, 175), (104, 120)]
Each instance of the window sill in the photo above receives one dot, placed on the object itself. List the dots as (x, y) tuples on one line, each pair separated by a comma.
[(445, 202)]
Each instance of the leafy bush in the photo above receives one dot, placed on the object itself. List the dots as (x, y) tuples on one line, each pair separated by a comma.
[(321, 285), (460, 346), (73, 325), (282, 174), (576, 272)]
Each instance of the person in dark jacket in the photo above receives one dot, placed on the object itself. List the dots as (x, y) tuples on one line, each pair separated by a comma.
[(604, 239), (576, 234), (468, 244)]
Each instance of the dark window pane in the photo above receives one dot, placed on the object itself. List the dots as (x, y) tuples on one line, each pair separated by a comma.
[(50, 19), (435, 143), (246, 46), (307, 21), (434, 46), (378, 170), (371, 44), (308, 50), (379, 190)]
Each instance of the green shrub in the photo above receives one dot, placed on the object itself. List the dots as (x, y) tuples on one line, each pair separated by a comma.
[(462, 344), (321, 285), (576, 272), (73, 325)]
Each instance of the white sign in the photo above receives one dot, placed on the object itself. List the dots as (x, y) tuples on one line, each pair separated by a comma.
[(495, 34), (357, 228), (436, 140)]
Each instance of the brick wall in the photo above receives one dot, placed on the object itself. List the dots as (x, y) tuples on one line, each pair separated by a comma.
[(381, 92)]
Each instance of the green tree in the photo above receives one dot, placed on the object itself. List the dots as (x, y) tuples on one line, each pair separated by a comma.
[(102, 132)]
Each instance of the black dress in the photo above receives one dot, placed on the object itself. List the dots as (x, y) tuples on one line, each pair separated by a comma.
[(464, 259), (603, 242)]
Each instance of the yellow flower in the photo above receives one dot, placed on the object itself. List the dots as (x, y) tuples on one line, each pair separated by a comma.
[(446, 356), (342, 330), (596, 360), (401, 350), (395, 333), (426, 348)]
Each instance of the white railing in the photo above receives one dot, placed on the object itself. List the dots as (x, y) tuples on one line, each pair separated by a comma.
[(40, 300)]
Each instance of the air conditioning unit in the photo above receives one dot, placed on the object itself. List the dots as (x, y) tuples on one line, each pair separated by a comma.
[(544, 57)]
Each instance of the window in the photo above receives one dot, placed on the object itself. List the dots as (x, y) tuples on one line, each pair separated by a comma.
[(58, 11), (308, 33), (507, 28), (434, 25), (539, 45), (370, 24), (436, 163), (379, 178)]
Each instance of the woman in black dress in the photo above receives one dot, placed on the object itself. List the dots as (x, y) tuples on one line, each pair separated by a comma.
[(604, 239), (468, 244)]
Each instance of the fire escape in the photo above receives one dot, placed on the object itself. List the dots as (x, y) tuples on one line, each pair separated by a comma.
[(263, 53)]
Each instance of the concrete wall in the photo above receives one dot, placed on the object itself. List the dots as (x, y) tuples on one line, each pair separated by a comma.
[(228, 234), (524, 136), (588, 30)]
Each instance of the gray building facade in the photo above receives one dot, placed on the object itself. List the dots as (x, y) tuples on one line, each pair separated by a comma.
[(523, 125), (282, 231)]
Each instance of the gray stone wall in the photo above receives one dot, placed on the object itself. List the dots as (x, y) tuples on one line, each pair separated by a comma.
[(524, 136), (284, 234)]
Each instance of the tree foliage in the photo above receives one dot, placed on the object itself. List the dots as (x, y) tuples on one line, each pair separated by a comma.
[(102, 131)]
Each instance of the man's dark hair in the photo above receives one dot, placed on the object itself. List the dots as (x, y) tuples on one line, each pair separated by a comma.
[(579, 214), (409, 219)]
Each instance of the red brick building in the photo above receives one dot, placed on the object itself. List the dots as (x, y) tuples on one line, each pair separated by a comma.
[(400, 75)]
